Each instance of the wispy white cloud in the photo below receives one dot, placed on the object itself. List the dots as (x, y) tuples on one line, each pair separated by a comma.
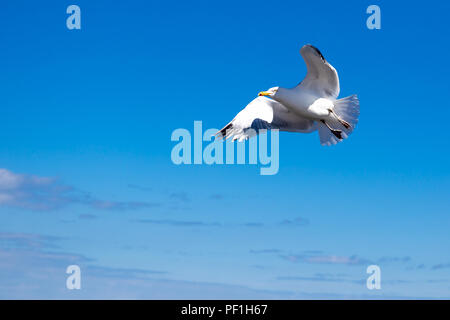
[(32, 192), (441, 266), (326, 259), (139, 187), (180, 196), (265, 251), (179, 223), (31, 269), (299, 221), (33, 266), (26, 240), (323, 277), (45, 193), (386, 259), (193, 223)]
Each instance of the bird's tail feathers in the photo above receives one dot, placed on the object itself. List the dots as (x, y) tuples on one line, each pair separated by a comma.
[(329, 137), (347, 110)]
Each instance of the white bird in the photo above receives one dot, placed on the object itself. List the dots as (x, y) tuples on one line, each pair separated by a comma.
[(311, 105)]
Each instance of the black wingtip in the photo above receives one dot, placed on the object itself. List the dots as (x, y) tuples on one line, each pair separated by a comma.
[(317, 50), (337, 134), (223, 132)]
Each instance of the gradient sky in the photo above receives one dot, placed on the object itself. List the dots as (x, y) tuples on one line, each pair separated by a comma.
[(85, 124)]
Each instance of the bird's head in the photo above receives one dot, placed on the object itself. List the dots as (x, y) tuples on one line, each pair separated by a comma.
[(270, 93)]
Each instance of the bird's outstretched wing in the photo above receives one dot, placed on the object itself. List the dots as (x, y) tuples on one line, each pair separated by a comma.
[(264, 113), (321, 78)]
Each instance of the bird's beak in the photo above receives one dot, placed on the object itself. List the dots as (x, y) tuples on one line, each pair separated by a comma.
[(264, 93)]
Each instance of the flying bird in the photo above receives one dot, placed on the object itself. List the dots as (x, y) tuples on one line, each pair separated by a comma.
[(311, 105)]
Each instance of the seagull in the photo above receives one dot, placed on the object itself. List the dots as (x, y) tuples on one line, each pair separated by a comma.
[(311, 105)]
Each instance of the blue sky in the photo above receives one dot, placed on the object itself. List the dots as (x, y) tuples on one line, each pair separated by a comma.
[(87, 179)]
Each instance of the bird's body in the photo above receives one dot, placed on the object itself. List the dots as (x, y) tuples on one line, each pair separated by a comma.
[(311, 105), (304, 103)]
